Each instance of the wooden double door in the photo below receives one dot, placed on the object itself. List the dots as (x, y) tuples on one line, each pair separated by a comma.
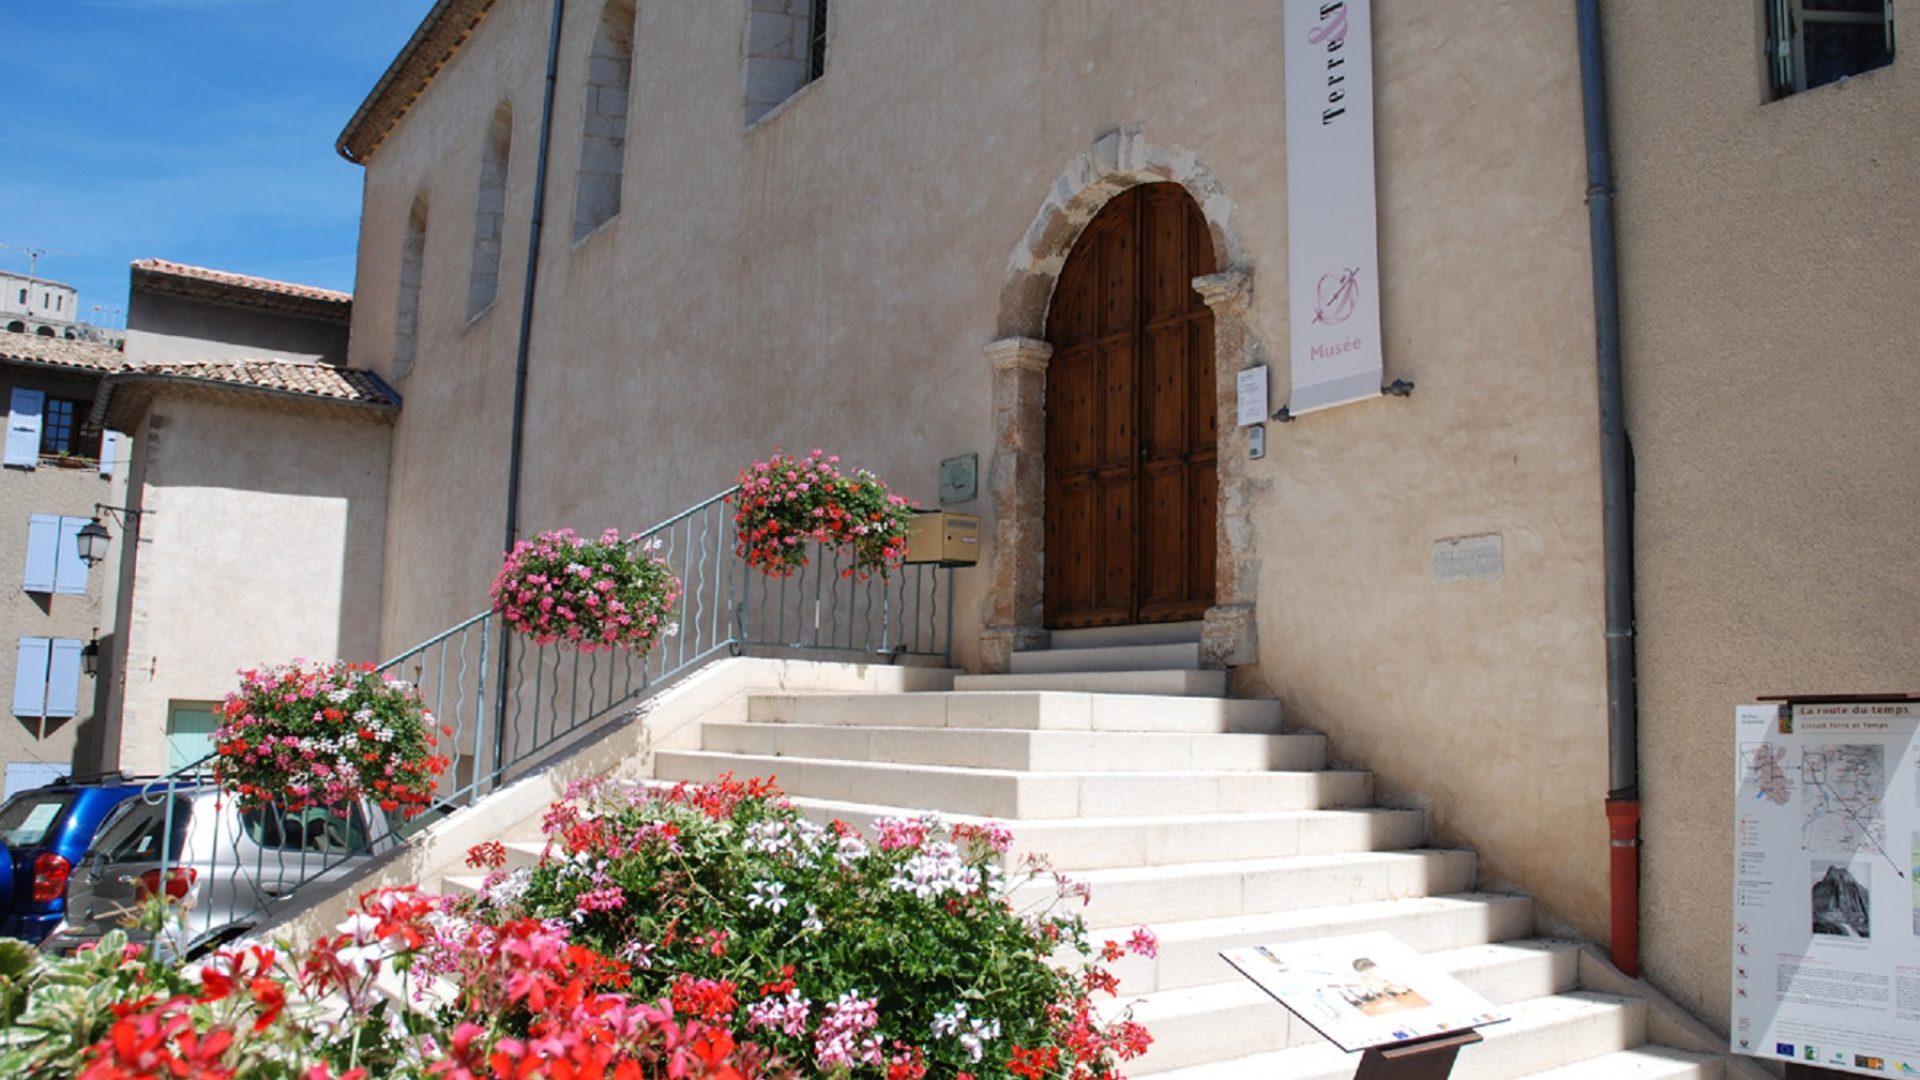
[(1132, 419)]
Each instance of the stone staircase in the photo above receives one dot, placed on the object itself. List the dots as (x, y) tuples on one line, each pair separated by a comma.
[(1197, 815)]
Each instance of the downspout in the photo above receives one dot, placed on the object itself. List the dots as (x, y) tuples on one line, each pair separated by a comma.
[(1616, 494), (522, 350)]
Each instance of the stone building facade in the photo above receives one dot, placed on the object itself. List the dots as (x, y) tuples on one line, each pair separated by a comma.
[(58, 611), (874, 264), (33, 305)]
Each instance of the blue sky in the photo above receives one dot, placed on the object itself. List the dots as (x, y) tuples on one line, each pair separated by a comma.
[(195, 130)]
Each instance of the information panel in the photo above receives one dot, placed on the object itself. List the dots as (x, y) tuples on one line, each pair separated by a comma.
[(1826, 907), (1364, 990)]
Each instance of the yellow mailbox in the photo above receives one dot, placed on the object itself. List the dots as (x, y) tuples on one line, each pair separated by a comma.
[(944, 538)]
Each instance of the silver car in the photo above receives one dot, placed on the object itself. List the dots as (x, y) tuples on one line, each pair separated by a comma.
[(228, 870)]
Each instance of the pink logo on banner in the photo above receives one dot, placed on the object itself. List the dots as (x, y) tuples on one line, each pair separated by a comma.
[(1335, 297), (1334, 31)]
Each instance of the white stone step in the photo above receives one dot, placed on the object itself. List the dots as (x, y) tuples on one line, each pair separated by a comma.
[(1189, 953), (1198, 1024), (1013, 795), (1164, 683), (1158, 895), (1029, 710), (1644, 1063), (974, 748), (1172, 656), (1544, 1033), (1093, 843), (1094, 637)]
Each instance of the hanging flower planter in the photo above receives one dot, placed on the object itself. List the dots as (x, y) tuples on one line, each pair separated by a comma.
[(590, 594), (785, 502), (301, 736)]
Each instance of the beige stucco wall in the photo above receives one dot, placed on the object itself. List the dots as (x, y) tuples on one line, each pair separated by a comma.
[(830, 276), (1768, 304), (69, 492), (261, 543)]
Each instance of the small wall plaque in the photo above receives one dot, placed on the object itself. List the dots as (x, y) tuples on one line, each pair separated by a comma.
[(959, 479), (1468, 558)]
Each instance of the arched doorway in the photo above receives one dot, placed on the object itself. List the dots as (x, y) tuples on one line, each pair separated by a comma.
[(1132, 419)]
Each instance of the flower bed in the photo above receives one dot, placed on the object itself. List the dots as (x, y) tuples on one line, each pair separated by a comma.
[(326, 735), (896, 956), (592, 594), (707, 933), (786, 502)]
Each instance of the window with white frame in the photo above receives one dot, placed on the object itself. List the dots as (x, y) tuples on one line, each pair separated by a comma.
[(54, 564), (46, 678), (1812, 43)]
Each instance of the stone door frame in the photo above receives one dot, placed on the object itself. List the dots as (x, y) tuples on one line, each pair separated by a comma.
[(1016, 478)]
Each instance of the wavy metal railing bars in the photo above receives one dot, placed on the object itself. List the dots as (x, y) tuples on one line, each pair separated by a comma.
[(510, 702)]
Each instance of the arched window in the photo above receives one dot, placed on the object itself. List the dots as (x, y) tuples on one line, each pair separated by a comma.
[(45, 331), (17, 327), (603, 138), (786, 49), (413, 257), (490, 212)]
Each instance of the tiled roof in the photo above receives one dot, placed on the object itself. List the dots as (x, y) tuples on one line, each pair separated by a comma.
[(163, 268), (438, 37), (59, 352), (349, 385)]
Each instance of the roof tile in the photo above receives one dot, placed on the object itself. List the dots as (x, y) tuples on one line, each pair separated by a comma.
[(240, 281), (299, 377), (58, 352)]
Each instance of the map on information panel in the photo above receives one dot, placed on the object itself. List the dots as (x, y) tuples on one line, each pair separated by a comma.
[(1826, 904)]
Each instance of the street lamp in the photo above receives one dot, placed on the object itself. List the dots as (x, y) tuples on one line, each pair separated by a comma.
[(92, 539), (90, 658)]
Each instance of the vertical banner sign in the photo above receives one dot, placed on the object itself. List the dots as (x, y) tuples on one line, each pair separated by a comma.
[(1826, 888), (1333, 265)]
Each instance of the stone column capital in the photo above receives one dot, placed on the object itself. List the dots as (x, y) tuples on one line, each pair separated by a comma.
[(1019, 354), (1228, 293)]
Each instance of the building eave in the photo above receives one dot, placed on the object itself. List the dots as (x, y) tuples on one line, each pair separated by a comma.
[(440, 35)]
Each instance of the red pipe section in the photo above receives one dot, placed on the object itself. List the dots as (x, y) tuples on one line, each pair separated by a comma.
[(1623, 832)]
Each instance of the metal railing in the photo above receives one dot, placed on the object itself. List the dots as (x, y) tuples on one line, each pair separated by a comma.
[(509, 702)]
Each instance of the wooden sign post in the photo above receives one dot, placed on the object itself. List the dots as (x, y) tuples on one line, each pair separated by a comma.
[(1422, 1059)]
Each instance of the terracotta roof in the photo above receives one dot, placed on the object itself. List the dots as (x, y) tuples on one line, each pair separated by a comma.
[(59, 352), (439, 36), (150, 269), (348, 385)]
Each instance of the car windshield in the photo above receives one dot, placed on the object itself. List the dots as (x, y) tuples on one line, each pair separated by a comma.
[(28, 817), (313, 829), (134, 832)]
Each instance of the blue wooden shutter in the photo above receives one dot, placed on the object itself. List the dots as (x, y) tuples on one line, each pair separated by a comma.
[(70, 575), (109, 445), (23, 427), (30, 677), (63, 678), (43, 537)]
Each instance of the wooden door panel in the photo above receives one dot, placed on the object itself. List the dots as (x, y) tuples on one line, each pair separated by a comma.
[(1119, 411), (1168, 282), (1164, 550), (1119, 276), (1113, 543), (1072, 440), (1204, 486), (1074, 569), (1169, 383)]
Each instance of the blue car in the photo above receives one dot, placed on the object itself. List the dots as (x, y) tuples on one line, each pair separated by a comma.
[(43, 834)]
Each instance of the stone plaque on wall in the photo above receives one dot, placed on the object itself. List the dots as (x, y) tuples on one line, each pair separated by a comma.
[(1468, 558), (959, 479)]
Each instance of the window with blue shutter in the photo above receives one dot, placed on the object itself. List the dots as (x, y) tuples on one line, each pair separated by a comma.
[(54, 564), (70, 573), (30, 677), (23, 427), (43, 537), (63, 678)]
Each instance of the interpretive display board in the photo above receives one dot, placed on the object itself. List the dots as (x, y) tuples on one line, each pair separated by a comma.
[(1826, 905), (1363, 990)]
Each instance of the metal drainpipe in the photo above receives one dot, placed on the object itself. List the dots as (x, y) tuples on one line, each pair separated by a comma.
[(1616, 487), (522, 351)]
